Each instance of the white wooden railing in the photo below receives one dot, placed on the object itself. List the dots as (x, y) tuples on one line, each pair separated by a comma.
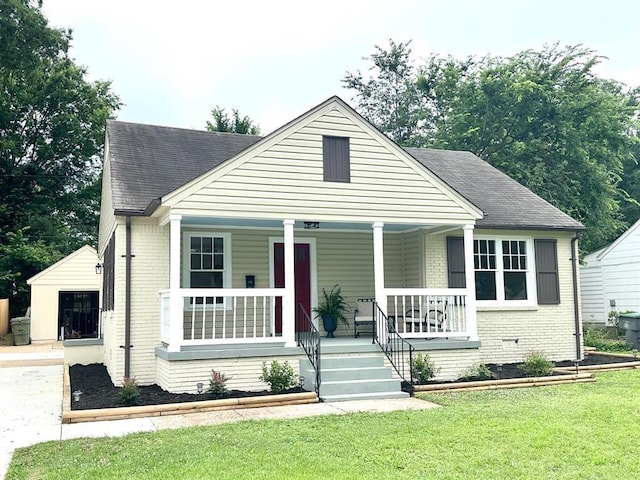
[(222, 315), (428, 312)]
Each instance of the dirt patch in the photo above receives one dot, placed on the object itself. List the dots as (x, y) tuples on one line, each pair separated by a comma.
[(99, 392)]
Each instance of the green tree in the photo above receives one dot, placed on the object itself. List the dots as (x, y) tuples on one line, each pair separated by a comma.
[(543, 117), (222, 122), (52, 124)]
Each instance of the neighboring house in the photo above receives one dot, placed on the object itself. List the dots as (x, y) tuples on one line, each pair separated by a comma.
[(610, 279), (216, 247), (65, 298)]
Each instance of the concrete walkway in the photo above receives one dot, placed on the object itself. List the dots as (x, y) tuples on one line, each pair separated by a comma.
[(31, 405)]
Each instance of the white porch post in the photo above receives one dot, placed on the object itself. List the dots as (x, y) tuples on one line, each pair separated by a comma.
[(175, 300), (289, 297), (378, 266), (470, 277)]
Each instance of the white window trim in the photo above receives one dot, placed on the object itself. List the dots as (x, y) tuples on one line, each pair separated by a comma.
[(186, 263), (532, 296)]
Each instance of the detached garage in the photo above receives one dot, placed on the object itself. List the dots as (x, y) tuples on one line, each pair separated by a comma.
[(65, 298)]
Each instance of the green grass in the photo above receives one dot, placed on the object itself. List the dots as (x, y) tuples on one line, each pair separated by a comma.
[(581, 431)]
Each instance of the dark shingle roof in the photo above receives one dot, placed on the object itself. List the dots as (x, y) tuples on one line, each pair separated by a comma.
[(148, 162), (505, 202)]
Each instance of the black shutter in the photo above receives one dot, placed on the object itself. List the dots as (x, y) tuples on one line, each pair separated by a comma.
[(335, 157), (455, 262), (547, 272)]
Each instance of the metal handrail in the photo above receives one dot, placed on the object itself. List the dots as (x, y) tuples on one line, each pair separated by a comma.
[(309, 340), (394, 347)]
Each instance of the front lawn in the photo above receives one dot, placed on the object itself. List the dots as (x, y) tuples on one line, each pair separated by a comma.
[(580, 431)]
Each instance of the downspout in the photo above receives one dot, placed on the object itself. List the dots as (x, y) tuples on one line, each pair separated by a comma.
[(127, 302), (576, 305)]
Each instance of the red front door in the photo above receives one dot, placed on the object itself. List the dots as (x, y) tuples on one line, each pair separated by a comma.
[(302, 272)]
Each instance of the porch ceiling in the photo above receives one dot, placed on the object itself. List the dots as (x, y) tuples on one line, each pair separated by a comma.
[(277, 224)]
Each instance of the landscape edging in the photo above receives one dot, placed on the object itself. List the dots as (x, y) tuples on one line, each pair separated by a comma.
[(95, 415)]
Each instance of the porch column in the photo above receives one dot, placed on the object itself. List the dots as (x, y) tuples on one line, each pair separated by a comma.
[(470, 277), (378, 266), (175, 300), (289, 296)]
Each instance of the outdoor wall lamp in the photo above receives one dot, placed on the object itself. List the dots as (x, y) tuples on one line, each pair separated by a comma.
[(98, 268)]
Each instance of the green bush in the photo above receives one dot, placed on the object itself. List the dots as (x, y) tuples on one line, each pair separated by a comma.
[(218, 385), (477, 371), (537, 365), (597, 338), (129, 393), (280, 377), (423, 369)]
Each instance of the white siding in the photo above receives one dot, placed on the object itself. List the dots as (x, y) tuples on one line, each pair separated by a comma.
[(76, 272), (384, 185), (592, 291)]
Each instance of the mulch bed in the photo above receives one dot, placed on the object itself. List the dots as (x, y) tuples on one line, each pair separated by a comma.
[(99, 392)]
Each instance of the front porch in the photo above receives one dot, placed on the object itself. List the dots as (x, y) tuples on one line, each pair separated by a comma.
[(379, 265)]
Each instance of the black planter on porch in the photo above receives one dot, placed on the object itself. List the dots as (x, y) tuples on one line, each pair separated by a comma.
[(332, 309)]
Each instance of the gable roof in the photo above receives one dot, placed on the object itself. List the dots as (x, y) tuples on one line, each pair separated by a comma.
[(59, 263), (505, 202), (600, 254), (149, 162)]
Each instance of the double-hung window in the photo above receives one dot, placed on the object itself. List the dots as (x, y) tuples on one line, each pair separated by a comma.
[(502, 270), (206, 262)]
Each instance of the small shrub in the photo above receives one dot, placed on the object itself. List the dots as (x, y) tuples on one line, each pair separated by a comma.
[(279, 376), (597, 338), (477, 371), (129, 393), (217, 385), (423, 369), (537, 365)]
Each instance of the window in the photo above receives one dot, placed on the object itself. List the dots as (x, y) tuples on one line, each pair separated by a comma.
[(501, 270), (335, 158), (207, 262)]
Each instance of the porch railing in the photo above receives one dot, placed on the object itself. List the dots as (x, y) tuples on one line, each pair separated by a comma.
[(229, 315), (428, 312), (309, 340), (398, 350)]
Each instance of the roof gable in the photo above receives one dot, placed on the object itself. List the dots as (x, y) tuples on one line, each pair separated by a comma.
[(84, 250), (630, 232), (285, 168)]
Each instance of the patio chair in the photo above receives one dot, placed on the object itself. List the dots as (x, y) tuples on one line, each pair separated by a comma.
[(363, 315), (435, 315)]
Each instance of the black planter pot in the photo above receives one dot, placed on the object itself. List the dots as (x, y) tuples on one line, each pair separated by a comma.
[(330, 323)]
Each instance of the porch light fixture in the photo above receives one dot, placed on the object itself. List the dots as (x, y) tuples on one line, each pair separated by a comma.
[(98, 268), (76, 395), (311, 225), (200, 387)]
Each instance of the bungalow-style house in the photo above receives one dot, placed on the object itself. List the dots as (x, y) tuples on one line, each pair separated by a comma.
[(610, 279), (217, 247)]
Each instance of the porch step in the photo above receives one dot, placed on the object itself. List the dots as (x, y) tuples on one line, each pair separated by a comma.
[(357, 378)]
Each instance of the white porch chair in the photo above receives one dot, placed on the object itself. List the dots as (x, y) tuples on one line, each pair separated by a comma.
[(363, 315)]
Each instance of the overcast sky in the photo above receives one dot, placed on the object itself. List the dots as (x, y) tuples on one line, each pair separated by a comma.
[(171, 62)]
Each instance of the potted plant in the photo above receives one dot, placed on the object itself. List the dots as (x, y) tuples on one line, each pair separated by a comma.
[(332, 309)]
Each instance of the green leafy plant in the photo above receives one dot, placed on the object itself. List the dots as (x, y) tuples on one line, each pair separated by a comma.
[(218, 385), (597, 338), (279, 376), (333, 304), (423, 369), (129, 393), (477, 371), (537, 365)]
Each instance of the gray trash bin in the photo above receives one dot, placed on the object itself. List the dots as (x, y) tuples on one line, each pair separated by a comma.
[(21, 329), (631, 324)]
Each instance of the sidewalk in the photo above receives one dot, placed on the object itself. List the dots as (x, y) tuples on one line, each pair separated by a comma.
[(31, 407)]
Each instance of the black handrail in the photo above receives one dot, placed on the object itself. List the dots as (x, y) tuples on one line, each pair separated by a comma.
[(394, 346), (309, 340)]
